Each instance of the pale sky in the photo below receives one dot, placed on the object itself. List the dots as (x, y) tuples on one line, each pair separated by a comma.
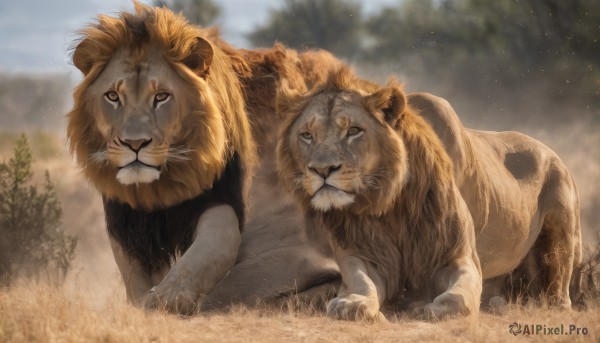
[(35, 34)]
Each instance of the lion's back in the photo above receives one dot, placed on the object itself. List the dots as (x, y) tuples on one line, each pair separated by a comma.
[(510, 181)]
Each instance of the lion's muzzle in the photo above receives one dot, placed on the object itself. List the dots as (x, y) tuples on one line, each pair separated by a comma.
[(134, 162), (324, 186)]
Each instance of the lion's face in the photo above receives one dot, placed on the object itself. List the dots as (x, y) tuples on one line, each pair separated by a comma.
[(342, 154), (139, 107)]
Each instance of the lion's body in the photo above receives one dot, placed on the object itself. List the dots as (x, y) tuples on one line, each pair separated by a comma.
[(382, 184), (521, 196), (159, 126), (280, 254)]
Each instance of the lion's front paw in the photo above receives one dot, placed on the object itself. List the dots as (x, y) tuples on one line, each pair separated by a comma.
[(443, 306), (354, 307), (182, 301)]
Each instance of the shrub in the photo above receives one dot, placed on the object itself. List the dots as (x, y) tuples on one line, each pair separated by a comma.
[(33, 243), (590, 277)]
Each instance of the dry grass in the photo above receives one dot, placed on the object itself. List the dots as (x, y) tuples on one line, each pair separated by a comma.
[(91, 305), (38, 313)]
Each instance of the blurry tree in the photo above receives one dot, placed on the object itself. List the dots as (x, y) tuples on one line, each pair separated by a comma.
[(481, 45), (531, 30), (435, 30), (199, 12), (32, 241), (28, 100), (334, 25)]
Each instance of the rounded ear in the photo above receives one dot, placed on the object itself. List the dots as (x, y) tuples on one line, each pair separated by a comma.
[(200, 57), (288, 100), (82, 58), (390, 101)]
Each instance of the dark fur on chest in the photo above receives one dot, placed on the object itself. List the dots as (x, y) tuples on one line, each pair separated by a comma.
[(156, 238)]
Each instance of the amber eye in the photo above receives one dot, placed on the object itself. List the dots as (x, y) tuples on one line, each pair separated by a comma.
[(112, 96), (353, 131), (161, 97), (306, 136)]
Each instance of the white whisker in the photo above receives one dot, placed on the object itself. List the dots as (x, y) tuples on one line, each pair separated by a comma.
[(100, 156), (178, 154)]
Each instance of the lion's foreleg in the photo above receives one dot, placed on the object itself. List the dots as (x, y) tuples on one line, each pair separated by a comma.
[(203, 265), (463, 293), (362, 291), (137, 281)]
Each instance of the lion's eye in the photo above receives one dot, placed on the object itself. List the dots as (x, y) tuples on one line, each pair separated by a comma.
[(112, 96), (161, 97), (353, 131), (306, 136)]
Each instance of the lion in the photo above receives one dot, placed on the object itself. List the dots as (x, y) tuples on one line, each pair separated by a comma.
[(160, 125), (524, 204), (377, 176)]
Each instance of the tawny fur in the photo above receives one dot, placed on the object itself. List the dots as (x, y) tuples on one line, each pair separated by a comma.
[(408, 222)]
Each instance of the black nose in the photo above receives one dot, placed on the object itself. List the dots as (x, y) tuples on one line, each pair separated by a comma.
[(135, 144), (326, 170)]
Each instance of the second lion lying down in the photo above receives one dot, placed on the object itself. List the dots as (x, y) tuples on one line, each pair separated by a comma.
[(378, 177), (404, 202)]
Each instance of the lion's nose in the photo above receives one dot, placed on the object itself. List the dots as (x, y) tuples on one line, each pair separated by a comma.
[(325, 170), (135, 144)]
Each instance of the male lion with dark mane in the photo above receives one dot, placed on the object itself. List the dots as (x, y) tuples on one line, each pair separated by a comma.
[(160, 127), (378, 177)]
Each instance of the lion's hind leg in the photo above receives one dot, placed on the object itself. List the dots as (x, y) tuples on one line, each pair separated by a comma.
[(560, 250), (560, 253)]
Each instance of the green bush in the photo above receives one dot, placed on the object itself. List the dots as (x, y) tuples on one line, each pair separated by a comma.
[(33, 243)]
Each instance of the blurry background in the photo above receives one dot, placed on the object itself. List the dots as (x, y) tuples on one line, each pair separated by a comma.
[(526, 65)]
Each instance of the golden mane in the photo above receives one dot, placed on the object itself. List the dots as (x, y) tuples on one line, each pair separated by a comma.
[(422, 229), (176, 39)]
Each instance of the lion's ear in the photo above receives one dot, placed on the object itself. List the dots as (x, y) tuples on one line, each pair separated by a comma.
[(82, 58), (390, 101), (200, 57), (288, 99)]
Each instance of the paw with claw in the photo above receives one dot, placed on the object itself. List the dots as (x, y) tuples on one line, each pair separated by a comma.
[(443, 306), (175, 300), (354, 307)]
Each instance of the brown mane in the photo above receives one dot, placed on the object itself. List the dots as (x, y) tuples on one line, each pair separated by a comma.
[(413, 230), (176, 39), (261, 72)]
